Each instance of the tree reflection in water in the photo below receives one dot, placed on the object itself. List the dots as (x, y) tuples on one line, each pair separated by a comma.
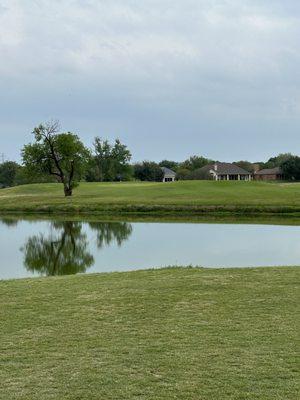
[(107, 232), (9, 222), (65, 250)]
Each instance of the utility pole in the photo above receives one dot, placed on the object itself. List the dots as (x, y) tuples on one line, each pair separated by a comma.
[(2, 158)]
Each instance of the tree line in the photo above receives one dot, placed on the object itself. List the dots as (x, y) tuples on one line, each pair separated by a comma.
[(56, 156)]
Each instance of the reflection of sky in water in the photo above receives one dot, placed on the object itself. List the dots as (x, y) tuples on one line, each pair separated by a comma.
[(162, 244)]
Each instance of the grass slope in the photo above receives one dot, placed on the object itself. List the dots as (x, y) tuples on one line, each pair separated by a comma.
[(165, 334), (186, 196)]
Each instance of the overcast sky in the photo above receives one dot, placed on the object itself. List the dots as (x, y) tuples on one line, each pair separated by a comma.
[(170, 78)]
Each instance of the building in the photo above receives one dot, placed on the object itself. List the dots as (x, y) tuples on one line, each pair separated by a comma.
[(270, 174), (220, 171), (169, 175)]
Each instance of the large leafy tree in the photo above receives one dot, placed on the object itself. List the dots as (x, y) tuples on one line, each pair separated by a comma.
[(61, 155), (110, 162)]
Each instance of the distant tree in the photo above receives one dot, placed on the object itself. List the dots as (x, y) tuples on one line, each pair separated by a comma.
[(121, 156), (8, 173), (182, 173), (199, 174), (148, 171), (61, 155), (247, 165), (278, 160), (25, 176), (291, 168), (173, 165), (195, 162), (109, 162), (258, 165)]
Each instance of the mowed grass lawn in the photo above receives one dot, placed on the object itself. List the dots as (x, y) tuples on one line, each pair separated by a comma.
[(161, 334), (177, 196)]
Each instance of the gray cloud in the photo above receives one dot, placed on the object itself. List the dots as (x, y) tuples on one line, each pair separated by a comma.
[(171, 78)]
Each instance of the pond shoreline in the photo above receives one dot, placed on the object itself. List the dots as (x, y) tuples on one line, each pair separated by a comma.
[(155, 210), (199, 217)]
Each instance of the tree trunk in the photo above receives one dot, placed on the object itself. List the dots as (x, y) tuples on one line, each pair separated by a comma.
[(68, 191)]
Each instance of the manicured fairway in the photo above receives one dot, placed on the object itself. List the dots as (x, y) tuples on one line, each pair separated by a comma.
[(166, 334), (177, 197)]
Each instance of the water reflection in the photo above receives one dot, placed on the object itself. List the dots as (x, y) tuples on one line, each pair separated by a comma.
[(51, 247), (107, 232), (65, 250), (9, 222)]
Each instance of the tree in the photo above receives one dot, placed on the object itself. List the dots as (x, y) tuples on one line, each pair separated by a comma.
[(195, 162), (183, 173), (247, 165), (199, 174), (61, 155), (26, 176), (109, 162), (148, 171), (8, 173), (121, 157), (278, 160), (291, 168), (173, 165)]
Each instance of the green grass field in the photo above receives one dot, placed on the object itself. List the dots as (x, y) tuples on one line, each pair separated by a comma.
[(185, 334), (190, 197)]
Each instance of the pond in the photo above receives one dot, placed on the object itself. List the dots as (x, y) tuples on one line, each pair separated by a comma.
[(47, 247)]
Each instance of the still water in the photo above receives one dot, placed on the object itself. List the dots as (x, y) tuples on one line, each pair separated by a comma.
[(45, 248)]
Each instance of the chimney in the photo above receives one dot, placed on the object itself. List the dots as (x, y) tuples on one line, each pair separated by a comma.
[(216, 167)]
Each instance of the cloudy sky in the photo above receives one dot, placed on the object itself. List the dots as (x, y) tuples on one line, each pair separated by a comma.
[(171, 78)]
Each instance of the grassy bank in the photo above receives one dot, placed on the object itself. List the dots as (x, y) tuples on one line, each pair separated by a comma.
[(166, 334), (210, 218), (188, 197)]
